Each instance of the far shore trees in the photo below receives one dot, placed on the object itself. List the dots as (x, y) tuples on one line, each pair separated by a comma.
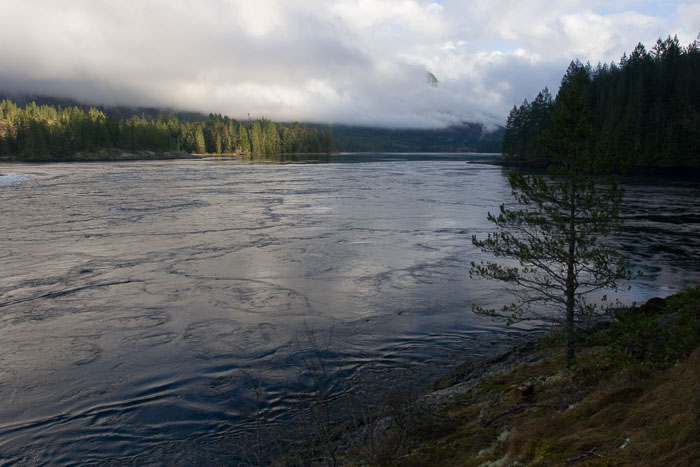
[(50, 132), (556, 237)]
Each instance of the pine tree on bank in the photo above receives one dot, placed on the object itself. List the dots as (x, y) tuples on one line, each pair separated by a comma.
[(556, 238)]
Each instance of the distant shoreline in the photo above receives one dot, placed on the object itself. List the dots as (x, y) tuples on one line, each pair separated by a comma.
[(673, 172), (103, 155), (117, 155)]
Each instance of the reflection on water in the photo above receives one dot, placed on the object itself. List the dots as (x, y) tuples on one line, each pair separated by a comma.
[(141, 303), (285, 158)]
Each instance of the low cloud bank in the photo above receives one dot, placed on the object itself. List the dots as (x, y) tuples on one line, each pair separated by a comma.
[(341, 61)]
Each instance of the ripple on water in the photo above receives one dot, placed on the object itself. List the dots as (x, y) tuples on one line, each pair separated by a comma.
[(142, 207), (83, 353), (231, 261), (8, 385), (139, 319), (216, 337), (150, 339)]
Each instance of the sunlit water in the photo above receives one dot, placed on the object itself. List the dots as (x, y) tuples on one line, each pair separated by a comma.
[(142, 303)]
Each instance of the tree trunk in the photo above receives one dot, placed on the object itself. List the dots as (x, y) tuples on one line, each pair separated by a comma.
[(569, 327)]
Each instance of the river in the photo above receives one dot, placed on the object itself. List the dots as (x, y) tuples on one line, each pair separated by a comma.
[(159, 311)]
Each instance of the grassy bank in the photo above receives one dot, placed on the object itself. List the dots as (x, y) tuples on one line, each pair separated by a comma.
[(632, 399)]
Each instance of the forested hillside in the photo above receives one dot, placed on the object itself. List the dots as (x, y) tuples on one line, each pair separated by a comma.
[(645, 111), (464, 137), (56, 132)]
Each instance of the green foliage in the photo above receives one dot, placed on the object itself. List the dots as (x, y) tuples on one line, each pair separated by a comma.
[(50, 132), (657, 340), (645, 111)]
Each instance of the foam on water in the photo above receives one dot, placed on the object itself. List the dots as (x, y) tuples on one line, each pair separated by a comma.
[(9, 179)]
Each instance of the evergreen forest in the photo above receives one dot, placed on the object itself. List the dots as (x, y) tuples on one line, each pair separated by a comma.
[(645, 111), (462, 137), (52, 132)]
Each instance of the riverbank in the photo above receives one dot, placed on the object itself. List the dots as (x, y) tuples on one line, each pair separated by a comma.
[(116, 155), (103, 155), (631, 399), (666, 172)]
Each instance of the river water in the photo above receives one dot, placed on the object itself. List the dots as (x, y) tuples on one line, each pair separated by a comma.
[(156, 312)]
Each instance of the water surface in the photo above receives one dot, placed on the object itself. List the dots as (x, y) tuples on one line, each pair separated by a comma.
[(141, 303)]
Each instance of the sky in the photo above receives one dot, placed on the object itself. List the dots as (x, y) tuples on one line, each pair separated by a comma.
[(360, 62)]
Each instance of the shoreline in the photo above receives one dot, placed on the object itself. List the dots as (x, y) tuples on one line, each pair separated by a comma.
[(509, 408), (670, 172), (118, 155), (103, 155)]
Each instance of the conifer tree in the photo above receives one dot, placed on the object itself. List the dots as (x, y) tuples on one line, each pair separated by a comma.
[(270, 138), (256, 138), (243, 140), (198, 144), (556, 238)]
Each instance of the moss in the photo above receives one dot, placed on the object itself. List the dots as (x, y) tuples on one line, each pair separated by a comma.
[(468, 446)]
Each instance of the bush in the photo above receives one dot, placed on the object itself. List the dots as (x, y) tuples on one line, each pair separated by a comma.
[(660, 339)]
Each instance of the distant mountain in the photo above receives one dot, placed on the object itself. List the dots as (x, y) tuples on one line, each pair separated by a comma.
[(464, 137)]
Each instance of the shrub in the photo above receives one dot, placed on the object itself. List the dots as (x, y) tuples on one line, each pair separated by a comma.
[(661, 339)]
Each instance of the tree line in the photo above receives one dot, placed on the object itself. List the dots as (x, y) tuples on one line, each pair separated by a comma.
[(645, 111), (47, 130), (461, 137)]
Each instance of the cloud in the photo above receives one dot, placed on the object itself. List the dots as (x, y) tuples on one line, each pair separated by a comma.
[(347, 61)]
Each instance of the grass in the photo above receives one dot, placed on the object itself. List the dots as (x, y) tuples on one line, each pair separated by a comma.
[(632, 399)]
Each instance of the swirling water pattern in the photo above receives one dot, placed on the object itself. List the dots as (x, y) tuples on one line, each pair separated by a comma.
[(142, 303)]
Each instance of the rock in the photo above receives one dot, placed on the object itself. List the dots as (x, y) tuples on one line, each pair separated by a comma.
[(653, 306), (525, 391)]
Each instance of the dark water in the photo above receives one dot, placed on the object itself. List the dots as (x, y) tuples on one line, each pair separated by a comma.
[(142, 303)]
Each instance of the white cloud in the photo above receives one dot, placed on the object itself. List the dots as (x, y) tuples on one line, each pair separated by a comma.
[(355, 61)]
